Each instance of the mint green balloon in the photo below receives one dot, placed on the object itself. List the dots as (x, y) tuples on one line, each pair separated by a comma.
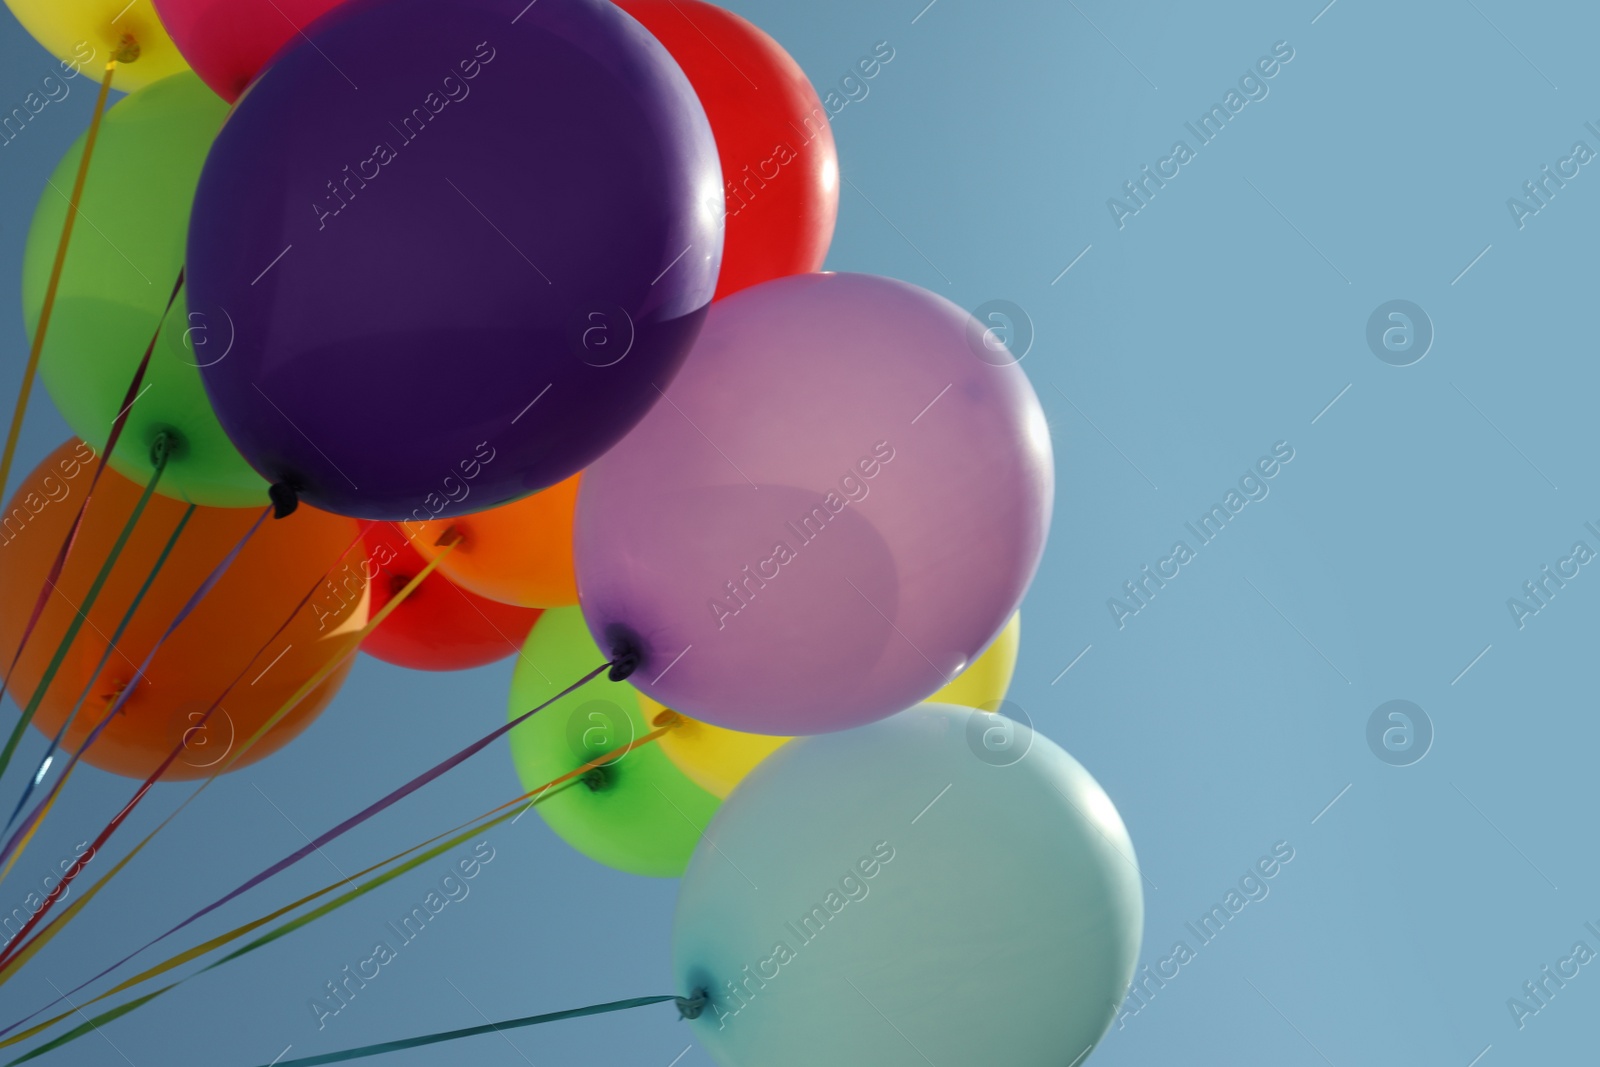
[(127, 247), (638, 814), (943, 886)]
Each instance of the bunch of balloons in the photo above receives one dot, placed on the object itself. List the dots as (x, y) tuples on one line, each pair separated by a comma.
[(511, 316)]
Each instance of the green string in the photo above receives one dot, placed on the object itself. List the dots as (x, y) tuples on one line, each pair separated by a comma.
[(158, 455), (88, 1027), (471, 1031)]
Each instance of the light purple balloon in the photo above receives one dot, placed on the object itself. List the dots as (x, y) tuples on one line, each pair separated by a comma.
[(839, 504)]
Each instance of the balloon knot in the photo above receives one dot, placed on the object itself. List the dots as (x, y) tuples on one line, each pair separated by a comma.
[(451, 536), (127, 49), (597, 779), (284, 499), (162, 447), (667, 717), (693, 1005), (625, 654)]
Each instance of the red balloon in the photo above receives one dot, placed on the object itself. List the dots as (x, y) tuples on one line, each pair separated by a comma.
[(227, 42), (440, 626), (780, 171)]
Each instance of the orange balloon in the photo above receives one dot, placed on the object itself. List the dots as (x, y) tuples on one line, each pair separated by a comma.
[(518, 553), (218, 640)]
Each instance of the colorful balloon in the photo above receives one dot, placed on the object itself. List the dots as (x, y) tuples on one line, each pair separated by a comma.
[(780, 171), (518, 553), (448, 292), (440, 626), (195, 666), (227, 42), (716, 759), (637, 814), (838, 510), (905, 891), (114, 287), (87, 34)]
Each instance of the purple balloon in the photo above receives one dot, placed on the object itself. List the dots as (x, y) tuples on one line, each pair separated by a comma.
[(838, 506), (458, 245)]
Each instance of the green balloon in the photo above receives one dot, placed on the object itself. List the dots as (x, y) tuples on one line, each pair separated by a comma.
[(127, 247), (638, 814)]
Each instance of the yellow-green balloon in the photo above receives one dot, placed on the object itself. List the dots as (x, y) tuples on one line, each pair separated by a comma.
[(127, 248), (638, 814)]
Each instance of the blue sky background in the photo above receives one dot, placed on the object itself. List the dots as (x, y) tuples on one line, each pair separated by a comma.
[(1222, 318)]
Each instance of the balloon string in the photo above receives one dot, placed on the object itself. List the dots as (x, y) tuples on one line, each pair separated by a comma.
[(21, 951), (54, 927), (105, 657), (448, 542), (453, 837), (48, 307), (232, 935), (19, 840), (28, 836), (389, 799), (686, 1005), (13, 848), (355, 820), (159, 455), (488, 820), (67, 542), (8, 958), (473, 1031)]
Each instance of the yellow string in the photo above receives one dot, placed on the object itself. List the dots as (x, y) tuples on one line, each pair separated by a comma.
[(22, 842), (32, 367)]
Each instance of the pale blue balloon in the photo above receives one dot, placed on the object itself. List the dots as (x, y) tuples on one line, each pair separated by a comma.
[(944, 886)]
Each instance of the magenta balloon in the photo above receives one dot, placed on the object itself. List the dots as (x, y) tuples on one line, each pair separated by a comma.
[(840, 503), (227, 42)]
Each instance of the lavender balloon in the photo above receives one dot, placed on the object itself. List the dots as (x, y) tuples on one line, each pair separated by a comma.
[(463, 281), (839, 503)]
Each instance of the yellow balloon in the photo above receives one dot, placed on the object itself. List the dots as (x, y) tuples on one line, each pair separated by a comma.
[(87, 34), (984, 683), (711, 757), (717, 759)]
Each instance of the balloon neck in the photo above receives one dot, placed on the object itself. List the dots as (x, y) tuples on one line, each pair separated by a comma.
[(127, 49), (162, 448), (598, 779), (626, 654), (667, 717), (693, 1005), (397, 582), (284, 499)]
